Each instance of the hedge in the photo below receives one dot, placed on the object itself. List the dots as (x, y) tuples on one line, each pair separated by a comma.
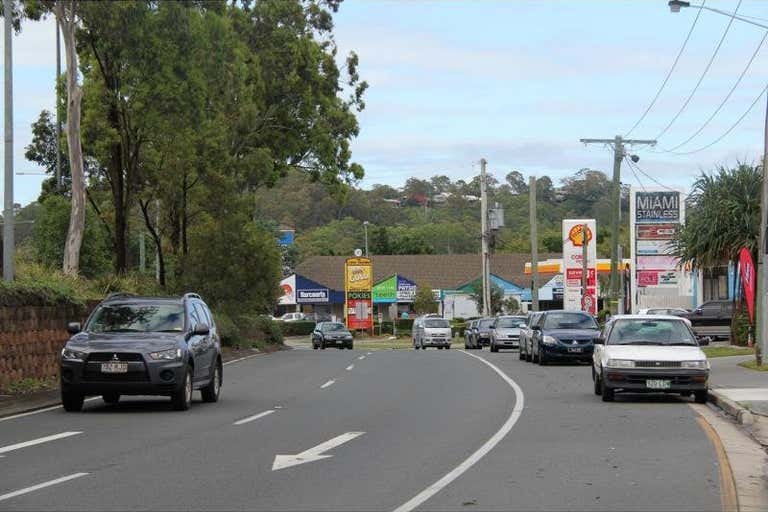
[(300, 328)]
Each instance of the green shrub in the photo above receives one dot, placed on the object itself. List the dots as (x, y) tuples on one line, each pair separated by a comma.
[(404, 324), (458, 329), (260, 329), (740, 328), (229, 334), (301, 328)]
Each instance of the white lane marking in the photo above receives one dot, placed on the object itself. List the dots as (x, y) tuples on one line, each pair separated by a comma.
[(313, 454), (41, 486), (329, 383), (481, 452), (361, 358), (348, 368), (54, 407), (369, 353), (254, 417), (33, 442), (46, 409)]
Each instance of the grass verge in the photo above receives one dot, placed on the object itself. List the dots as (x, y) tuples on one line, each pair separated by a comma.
[(752, 365), (728, 351)]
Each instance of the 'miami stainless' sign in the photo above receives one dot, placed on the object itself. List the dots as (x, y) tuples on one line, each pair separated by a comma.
[(653, 207)]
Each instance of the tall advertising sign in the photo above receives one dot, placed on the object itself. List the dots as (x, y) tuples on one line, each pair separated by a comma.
[(358, 286), (657, 278), (574, 298), (748, 273)]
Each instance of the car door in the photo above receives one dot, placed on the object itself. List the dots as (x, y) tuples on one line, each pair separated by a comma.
[(536, 333), (597, 354), (207, 346)]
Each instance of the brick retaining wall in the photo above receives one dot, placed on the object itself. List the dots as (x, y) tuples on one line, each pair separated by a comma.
[(31, 339)]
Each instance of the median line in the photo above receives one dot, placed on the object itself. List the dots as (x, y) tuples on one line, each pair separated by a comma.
[(43, 485), (254, 417), (329, 383), (348, 368), (361, 358), (33, 442)]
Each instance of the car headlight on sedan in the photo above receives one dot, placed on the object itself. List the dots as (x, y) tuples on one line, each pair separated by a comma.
[(172, 354), (72, 355), (620, 363), (699, 365), (549, 340)]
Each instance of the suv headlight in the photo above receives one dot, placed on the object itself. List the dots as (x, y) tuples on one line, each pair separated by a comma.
[(549, 340), (700, 365), (620, 363), (171, 354), (72, 355)]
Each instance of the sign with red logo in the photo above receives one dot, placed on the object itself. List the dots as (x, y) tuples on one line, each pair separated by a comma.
[(656, 231), (576, 235), (647, 278), (575, 298), (747, 266)]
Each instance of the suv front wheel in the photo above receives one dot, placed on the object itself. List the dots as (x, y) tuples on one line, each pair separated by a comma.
[(72, 400), (182, 399), (211, 392)]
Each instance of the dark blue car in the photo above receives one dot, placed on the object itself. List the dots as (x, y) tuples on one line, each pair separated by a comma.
[(563, 336)]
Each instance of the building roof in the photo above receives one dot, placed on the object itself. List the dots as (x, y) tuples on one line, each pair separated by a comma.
[(441, 271)]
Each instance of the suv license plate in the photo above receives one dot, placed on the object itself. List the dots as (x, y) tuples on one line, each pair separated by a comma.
[(114, 367), (576, 350), (658, 384)]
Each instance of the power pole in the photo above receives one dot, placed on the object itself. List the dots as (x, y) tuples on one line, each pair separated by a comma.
[(619, 153), (534, 244), (58, 121), (584, 264), (761, 327), (8, 243), (621, 280), (484, 238)]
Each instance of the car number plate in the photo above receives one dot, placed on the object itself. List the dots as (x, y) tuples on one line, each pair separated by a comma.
[(576, 350), (114, 367), (658, 384)]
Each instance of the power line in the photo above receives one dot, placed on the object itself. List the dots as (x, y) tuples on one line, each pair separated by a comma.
[(634, 166), (637, 178), (669, 74), (729, 130), (703, 74), (727, 97)]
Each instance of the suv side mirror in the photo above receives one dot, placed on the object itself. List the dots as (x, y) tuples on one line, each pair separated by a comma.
[(697, 311), (74, 327), (201, 329)]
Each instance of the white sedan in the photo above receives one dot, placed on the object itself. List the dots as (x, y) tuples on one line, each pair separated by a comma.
[(649, 354)]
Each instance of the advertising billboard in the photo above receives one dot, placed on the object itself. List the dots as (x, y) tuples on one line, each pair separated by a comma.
[(312, 296), (657, 206), (574, 298), (358, 289), (288, 285)]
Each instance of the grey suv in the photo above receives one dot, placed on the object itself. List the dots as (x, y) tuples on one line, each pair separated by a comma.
[(143, 346)]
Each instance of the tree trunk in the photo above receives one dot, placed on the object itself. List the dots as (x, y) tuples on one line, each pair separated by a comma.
[(118, 196), (154, 231), (66, 18)]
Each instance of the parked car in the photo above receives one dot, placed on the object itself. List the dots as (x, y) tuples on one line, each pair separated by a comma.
[(563, 336), (431, 331), (663, 311), (331, 334), (505, 332), (293, 317), (649, 354), (468, 330), (526, 336), (482, 335), (134, 345), (712, 318)]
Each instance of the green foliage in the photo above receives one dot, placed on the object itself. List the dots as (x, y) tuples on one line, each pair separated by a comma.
[(50, 233), (740, 327), (300, 328), (424, 302), (511, 305), (497, 298), (31, 385), (233, 264)]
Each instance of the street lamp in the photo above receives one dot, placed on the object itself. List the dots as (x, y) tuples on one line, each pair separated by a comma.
[(762, 253), (365, 228)]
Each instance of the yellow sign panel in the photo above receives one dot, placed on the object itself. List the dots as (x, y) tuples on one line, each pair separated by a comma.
[(359, 275)]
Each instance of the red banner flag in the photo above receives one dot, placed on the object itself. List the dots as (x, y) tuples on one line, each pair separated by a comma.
[(748, 280)]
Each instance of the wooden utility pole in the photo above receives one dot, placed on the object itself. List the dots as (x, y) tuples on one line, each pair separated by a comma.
[(484, 237), (534, 244)]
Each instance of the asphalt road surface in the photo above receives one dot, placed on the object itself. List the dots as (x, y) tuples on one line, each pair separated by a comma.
[(352, 430)]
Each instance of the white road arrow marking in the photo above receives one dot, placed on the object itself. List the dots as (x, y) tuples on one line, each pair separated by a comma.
[(6, 449), (313, 454)]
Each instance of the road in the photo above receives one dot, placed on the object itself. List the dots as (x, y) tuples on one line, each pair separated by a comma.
[(372, 431)]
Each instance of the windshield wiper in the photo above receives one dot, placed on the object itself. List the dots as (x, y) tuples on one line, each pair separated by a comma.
[(123, 330), (168, 330), (680, 344)]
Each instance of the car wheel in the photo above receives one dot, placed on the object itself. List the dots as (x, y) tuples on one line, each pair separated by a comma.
[(700, 396), (447, 347), (211, 392), (72, 400), (111, 398), (606, 391), (520, 354), (182, 399), (494, 348), (322, 345), (597, 383), (314, 346), (542, 358), (350, 346)]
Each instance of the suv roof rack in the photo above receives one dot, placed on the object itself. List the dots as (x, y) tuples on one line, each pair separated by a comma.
[(115, 295), (191, 295)]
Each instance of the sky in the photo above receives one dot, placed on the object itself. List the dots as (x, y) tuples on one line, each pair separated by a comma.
[(516, 82)]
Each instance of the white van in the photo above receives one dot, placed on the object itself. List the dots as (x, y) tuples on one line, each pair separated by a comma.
[(431, 331)]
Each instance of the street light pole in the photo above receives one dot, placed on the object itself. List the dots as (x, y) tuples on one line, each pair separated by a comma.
[(365, 228), (761, 323), (8, 244)]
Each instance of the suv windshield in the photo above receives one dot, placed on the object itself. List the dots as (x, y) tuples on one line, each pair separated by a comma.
[(510, 322), (485, 324), (436, 322), (651, 332), (334, 327), (137, 318), (569, 321)]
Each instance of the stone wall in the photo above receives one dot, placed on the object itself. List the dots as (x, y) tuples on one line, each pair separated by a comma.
[(31, 339)]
